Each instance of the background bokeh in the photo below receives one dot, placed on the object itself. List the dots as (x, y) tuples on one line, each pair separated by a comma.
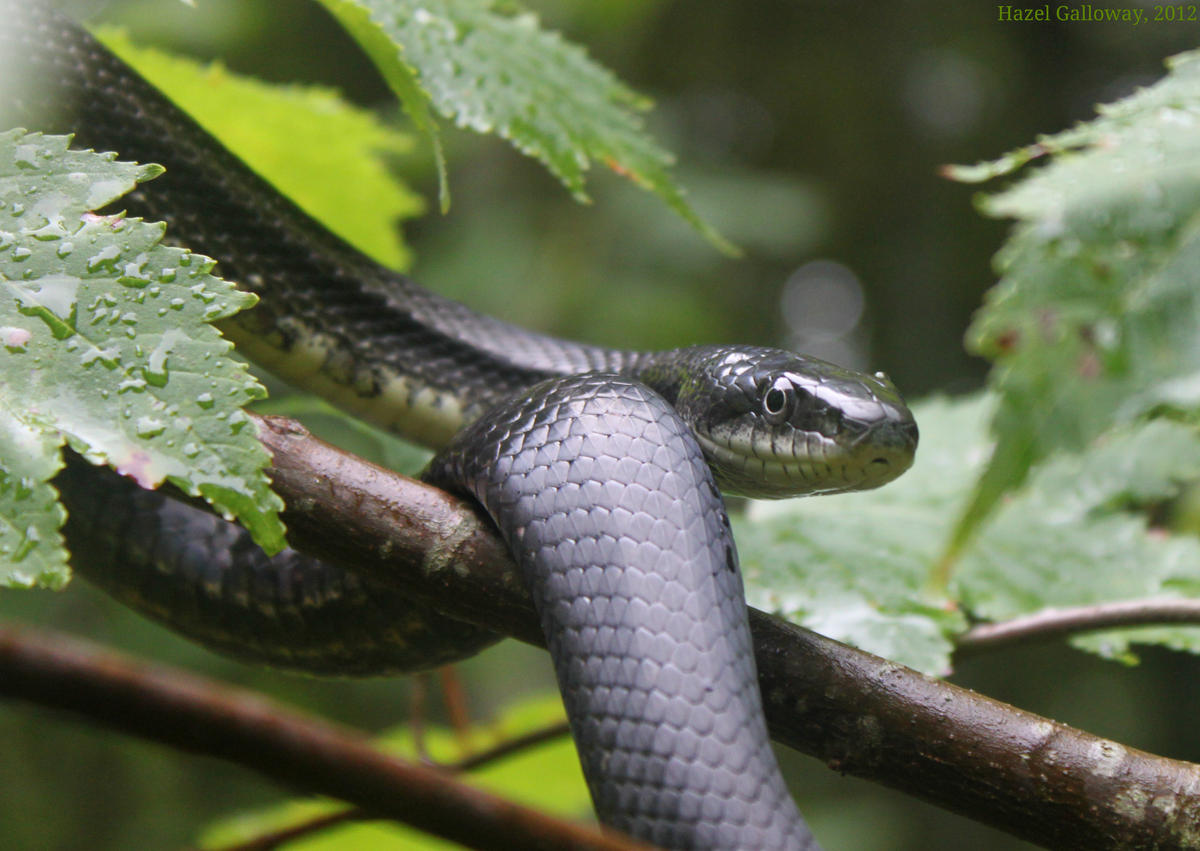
[(810, 132)]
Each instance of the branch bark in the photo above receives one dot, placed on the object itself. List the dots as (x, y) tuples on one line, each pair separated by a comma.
[(1034, 778), (201, 716)]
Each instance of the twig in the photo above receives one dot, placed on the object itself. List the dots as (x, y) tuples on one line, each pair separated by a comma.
[(1056, 623), (200, 716), (454, 697), (508, 747), (420, 708), (273, 839), (270, 840), (1048, 783)]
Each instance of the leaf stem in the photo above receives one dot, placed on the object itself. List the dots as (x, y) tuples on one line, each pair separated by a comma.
[(1055, 623)]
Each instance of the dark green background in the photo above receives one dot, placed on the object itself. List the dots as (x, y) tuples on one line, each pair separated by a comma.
[(806, 131)]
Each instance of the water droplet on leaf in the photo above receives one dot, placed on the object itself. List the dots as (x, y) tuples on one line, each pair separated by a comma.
[(104, 256), (150, 427)]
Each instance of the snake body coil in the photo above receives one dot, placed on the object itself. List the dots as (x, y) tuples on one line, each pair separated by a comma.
[(594, 464)]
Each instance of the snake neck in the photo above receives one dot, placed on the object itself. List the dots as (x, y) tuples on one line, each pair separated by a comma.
[(605, 500)]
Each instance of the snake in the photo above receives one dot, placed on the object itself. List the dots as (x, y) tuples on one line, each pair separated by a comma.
[(602, 469)]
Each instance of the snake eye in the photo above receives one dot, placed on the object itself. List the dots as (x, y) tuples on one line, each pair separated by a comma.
[(777, 401)]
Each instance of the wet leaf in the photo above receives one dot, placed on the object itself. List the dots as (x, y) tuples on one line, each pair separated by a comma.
[(491, 69), (856, 566), (1093, 323), (30, 515), (107, 344)]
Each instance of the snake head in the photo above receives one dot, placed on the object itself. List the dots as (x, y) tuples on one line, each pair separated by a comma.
[(774, 424)]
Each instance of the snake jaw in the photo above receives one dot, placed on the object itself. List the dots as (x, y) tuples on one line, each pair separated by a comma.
[(776, 424), (825, 467)]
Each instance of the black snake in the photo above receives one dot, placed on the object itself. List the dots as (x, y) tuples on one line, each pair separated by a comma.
[(600, 467)]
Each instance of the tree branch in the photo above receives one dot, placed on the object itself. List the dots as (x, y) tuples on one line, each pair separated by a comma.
[(1057, 623), (1045, 782), (1027, 775), (202, 716)]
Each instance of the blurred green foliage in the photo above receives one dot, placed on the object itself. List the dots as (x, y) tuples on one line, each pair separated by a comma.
[(807, 131), (546, 776), (321, 152)]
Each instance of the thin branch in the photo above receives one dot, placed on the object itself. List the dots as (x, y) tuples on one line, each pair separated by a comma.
[(316, 824), (454, 699), (270, 840), (1043, 781), (508, 747), (1057, 623), (201, 716), (418, 715)]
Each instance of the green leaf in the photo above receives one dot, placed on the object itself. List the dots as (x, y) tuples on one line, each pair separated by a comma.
[(1066, 538), (1117, 644), (1093, 322), (108, 345), (856, 566), (30, 515), (493, 71), (382, 50), (319, 150)]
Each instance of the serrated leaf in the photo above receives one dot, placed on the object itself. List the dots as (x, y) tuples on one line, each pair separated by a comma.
[(1175, 92), (492, 71), (1093, 323), (1117, 644), (856, 566), (322, 152), (30, 515), (399, 76), (108, 341), (1065, 540)]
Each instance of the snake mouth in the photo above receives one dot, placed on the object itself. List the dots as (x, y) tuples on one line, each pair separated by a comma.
[(798, 463)]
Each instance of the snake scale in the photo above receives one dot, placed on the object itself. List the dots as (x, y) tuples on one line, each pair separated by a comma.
[(601, 468)]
